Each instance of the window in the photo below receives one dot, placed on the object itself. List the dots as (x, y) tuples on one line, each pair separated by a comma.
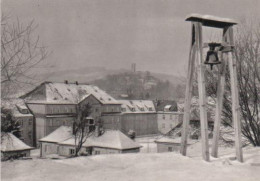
[(97, 152), (30, 134), (96, 109), (30, 121), (72, 151), (163, 125), (170, 149), (163, 116)]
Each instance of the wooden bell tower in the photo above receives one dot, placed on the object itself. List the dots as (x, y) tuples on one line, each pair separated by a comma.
[(227, 59)]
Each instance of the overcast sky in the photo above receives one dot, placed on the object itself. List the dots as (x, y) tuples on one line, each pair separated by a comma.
[(116, 33)]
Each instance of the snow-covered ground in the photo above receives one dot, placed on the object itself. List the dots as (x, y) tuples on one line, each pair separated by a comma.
[(141, 166)]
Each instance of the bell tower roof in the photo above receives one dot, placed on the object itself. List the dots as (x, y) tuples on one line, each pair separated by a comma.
[(212, 21)]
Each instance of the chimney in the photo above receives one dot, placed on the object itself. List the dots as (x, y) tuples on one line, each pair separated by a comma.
[(76, 83), (66, 81)]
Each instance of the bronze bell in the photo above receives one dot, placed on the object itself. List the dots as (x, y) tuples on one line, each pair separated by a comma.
[(212, 55)]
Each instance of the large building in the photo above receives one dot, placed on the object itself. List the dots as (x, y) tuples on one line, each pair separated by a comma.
[(56, 104), (136, 115)]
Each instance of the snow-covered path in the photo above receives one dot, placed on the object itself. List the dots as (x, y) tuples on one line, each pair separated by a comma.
[(150, 166)]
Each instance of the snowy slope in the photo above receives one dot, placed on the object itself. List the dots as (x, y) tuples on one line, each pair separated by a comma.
[(137, 167)]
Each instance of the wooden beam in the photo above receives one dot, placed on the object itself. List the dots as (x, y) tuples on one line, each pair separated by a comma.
[(219, 106), (188, 92), (220, 94), (235, 103), (202, 93)]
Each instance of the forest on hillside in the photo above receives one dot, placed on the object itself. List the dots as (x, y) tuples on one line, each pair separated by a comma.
[(139, 85)]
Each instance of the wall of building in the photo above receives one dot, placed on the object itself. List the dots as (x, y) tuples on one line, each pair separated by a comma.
[(141, 123), (47, 148), (111, 121), (40, 127), (37, 109), (26, 128), (60, 109), (98, 151), (168, 147), (168, 120), (52, 123), (111, 108), (14, 154), (65, 150)]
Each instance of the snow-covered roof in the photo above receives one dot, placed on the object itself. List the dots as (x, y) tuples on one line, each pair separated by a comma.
[(60, 134), (13, 104), (173, 140), (9, 142), (137, 106), (213, 21), (63, 93), (109, 139)]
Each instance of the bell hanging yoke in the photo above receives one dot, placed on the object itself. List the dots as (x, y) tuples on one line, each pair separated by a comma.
[(196, 53)]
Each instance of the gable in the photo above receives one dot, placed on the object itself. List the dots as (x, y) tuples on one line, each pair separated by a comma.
[(37, 94)]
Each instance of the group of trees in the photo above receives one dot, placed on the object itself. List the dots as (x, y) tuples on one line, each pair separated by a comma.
[(247, 55), (138, 86)]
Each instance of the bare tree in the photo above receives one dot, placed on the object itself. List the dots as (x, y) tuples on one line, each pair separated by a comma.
[(247, 54), (81, 128), (20, 53)]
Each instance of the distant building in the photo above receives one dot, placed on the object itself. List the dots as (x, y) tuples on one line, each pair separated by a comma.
[(56, 104), (12, 147), (167, 144), (133, 67), (167, 115), (22, 115), (166, 105), (137, 115), (168, 120), (62, 143)]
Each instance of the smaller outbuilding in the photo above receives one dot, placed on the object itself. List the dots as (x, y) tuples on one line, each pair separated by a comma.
[(62, 142), (13, 148), (168, 144)]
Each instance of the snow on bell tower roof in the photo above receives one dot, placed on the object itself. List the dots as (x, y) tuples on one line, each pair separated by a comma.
[(212, 21)]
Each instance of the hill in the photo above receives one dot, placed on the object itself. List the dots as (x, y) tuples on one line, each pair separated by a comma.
[(140, 85), (115, 81)]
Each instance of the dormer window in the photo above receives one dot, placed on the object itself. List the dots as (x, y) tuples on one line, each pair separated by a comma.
[(131, 107), (140, 108), (123, 109)]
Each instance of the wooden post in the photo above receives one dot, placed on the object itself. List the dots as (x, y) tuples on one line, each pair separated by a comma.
[(202, 93), (188, 91), (219, 103), (235, 103)]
